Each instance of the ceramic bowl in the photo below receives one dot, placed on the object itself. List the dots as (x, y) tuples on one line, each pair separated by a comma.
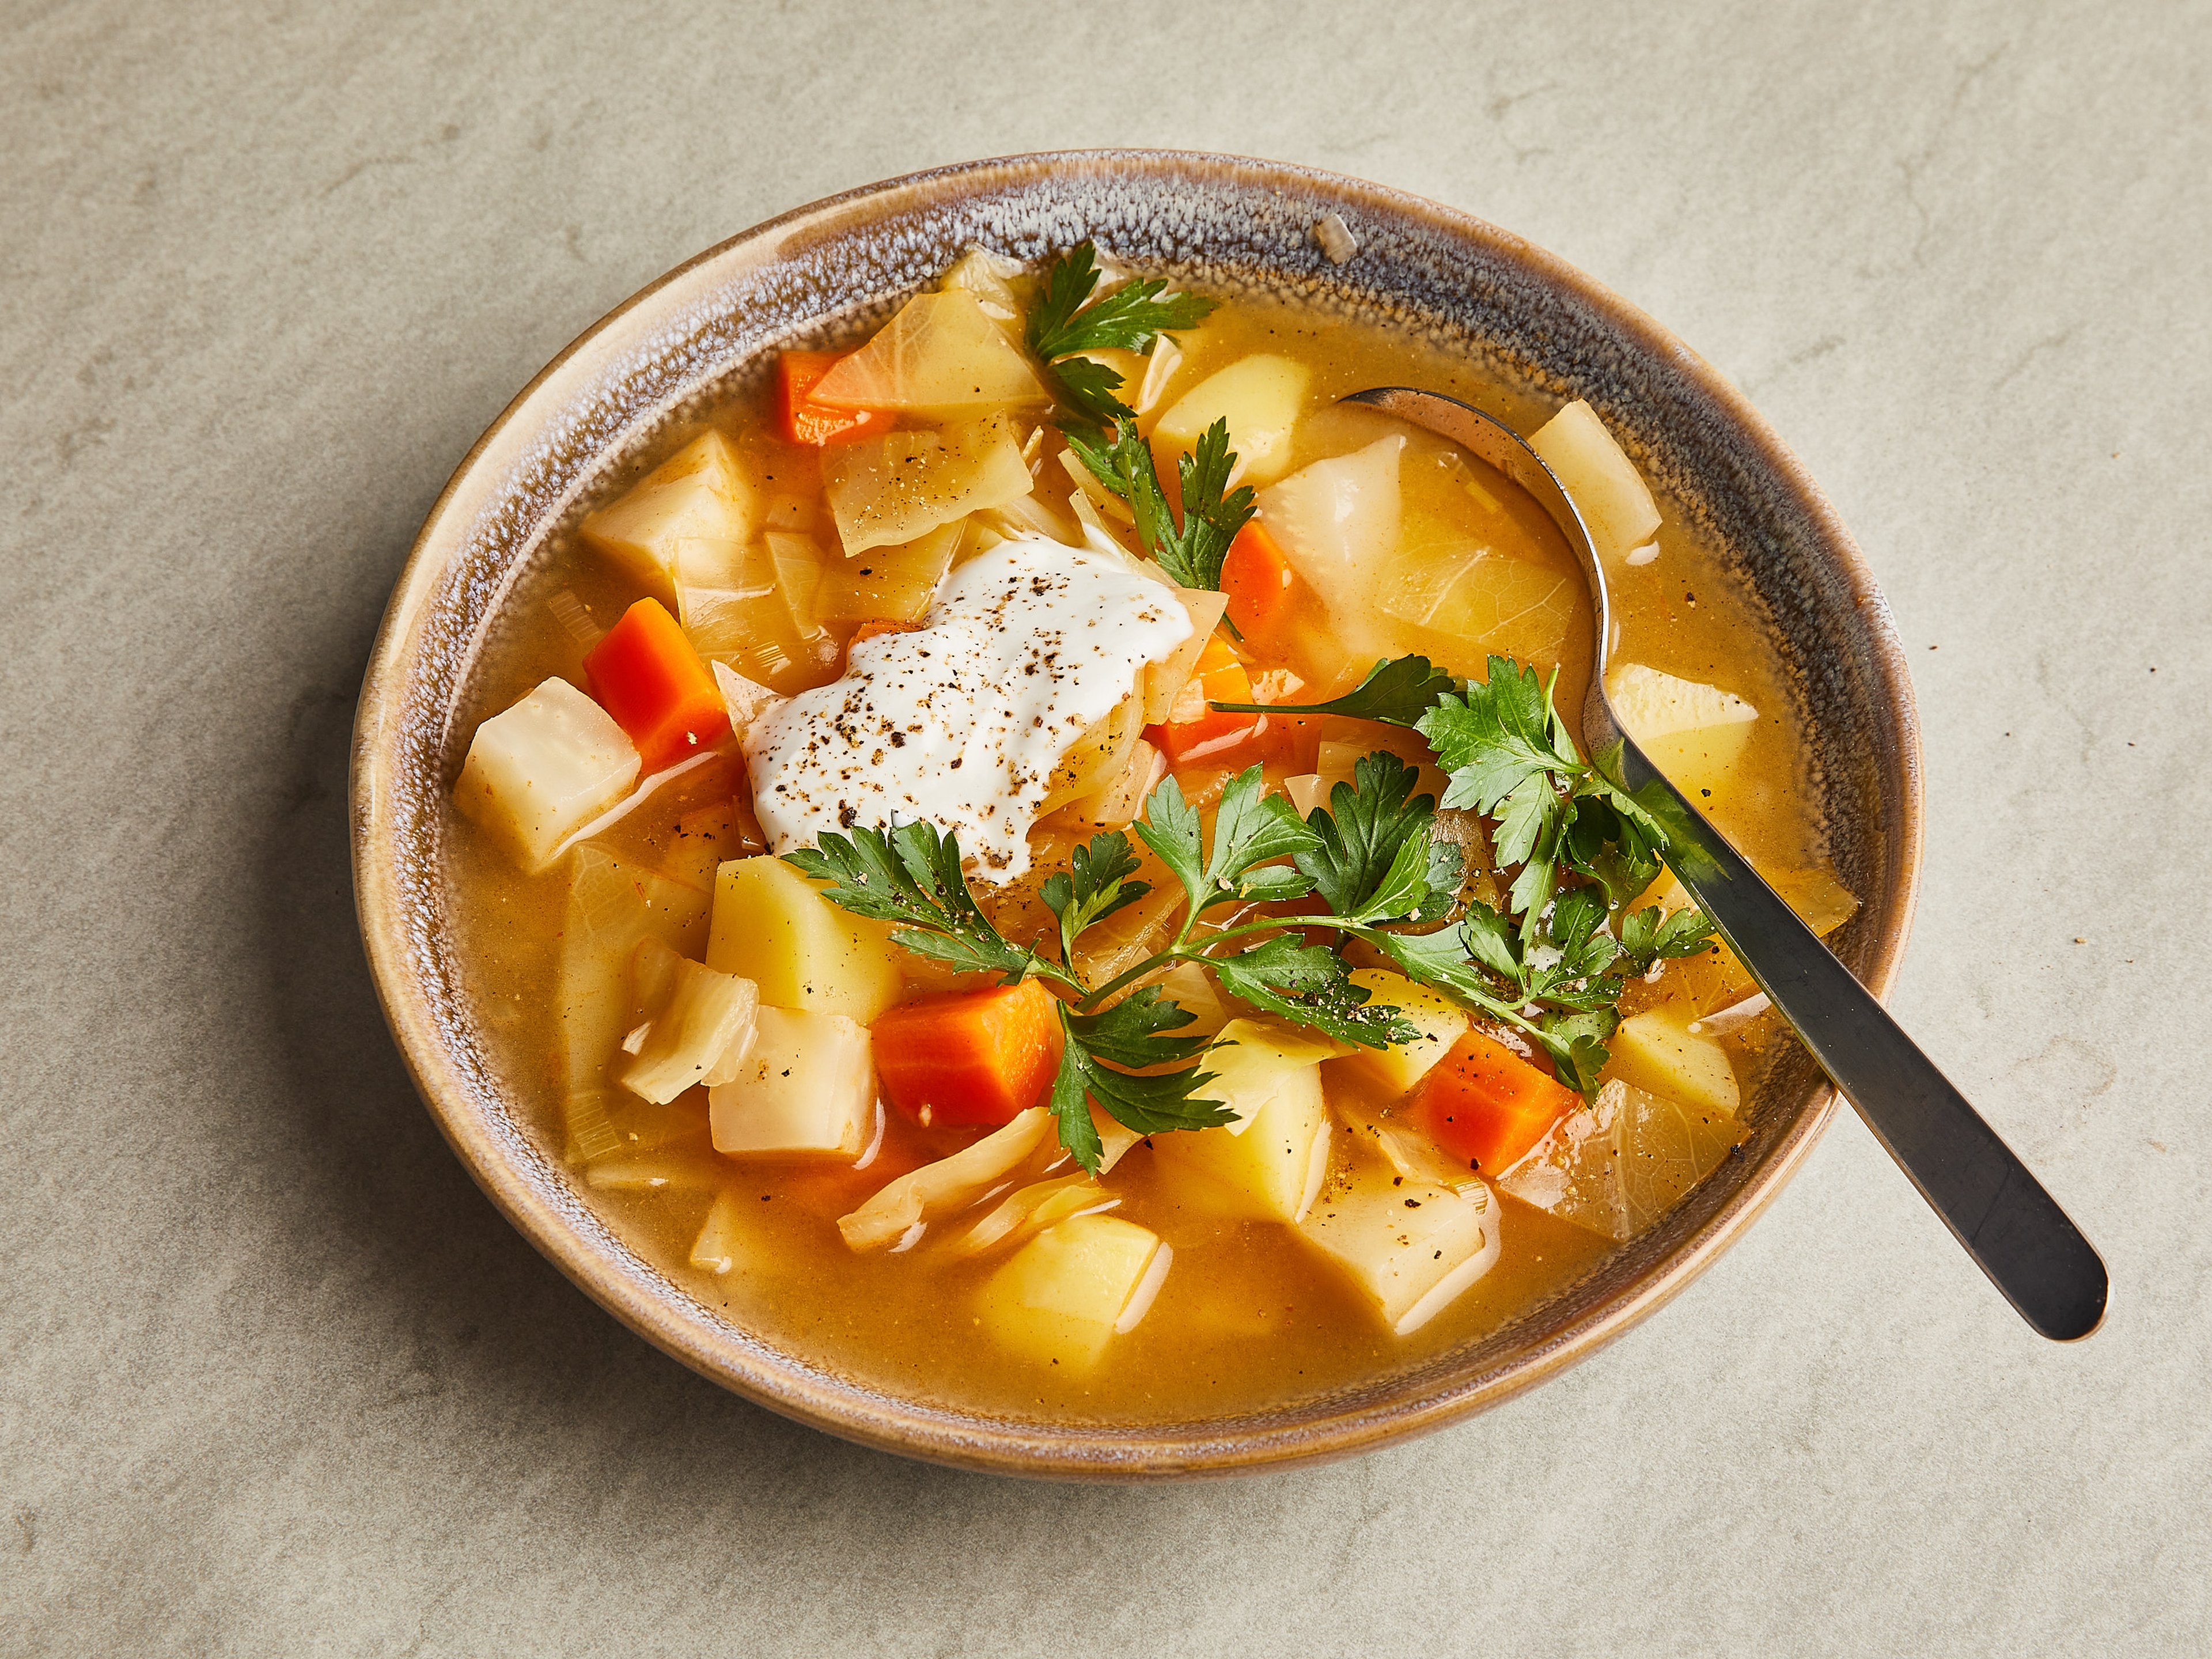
[(1222, 224)]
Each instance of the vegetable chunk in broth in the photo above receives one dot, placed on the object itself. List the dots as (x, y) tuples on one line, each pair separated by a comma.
[(1034, 859)]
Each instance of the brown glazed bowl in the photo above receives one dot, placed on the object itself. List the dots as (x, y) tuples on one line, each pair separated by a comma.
[(1222, 224)]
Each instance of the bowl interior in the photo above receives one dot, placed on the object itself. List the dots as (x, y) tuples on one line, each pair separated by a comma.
[(1225, 225)]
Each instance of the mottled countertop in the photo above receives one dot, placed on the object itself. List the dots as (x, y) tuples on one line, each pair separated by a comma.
[(278, 1379)]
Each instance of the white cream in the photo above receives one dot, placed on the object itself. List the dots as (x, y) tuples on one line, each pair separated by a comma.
[(962, 720)]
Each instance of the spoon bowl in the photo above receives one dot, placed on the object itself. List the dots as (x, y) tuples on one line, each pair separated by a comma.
[(1995, 1208)]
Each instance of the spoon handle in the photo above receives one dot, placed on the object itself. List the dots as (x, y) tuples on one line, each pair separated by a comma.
[(2000, 1212)]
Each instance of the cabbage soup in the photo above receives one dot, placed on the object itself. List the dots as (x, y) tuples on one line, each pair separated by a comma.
[(1036, 861)]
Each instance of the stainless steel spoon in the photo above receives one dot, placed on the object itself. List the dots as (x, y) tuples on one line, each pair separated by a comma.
[(2013, 1228)]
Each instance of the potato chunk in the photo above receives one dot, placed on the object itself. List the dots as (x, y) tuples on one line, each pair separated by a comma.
[(1605, 486), (1622, 1162), (1268, 1164), (699, 1025), (1656, 1050), (771, 927), (1694, 733), (806, 1085), (1441, 1021), (1066, 1293), (896, 487), (544, 770), (941, 358), (1412, 1248), (700, 491), (1260, 396)]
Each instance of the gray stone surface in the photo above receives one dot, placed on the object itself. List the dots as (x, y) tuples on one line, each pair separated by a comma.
[(278, 1380)]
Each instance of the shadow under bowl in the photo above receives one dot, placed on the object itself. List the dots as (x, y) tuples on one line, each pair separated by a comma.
[(1223, 224)]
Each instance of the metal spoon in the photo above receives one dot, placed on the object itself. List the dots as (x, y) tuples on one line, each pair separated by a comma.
[(2011, 1227)]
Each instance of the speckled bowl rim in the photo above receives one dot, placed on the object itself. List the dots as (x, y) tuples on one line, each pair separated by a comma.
[(912, 1427)]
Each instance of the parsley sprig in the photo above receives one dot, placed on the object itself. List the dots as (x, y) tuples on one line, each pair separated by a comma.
[(1192, 548), (1369, 854), (1547, 963), (1065, 321), (1367, 867), (1397, 692)]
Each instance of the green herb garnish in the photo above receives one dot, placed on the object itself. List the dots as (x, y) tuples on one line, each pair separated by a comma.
[(1065, 321), (1191, 550), (1553, 965), (1397, 692)]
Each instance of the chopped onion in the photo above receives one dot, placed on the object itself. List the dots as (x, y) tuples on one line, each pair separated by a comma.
[(1731, 1017), (575, 621), (1335, 238), (876, 1143), (1148, 1289), (1159, 370), (637, 798)]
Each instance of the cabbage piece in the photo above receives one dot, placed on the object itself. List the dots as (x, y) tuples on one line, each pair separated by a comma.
[(1475, 601), (746, 699), (1614, 502), (733, 604), (1163, 682), (1118, 803), (657, 1173), (1406, 1145), (1030, 1210), (1622, 1162), (893, 583), (1133, 933), (1337, 521), (611, 906), (797, 560), (949, 1184), (720, 1243), (699, 1023), (989, 278), (895, 488), (1115, 1138), (941, 358), (543, 768), (700, 490), (1096, 758)]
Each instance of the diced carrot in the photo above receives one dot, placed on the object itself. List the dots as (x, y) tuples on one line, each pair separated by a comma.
[(973, 1057), (1485, 1103), (804, 421), (1218, 677), (1257, 578), (868, 630), (645, 674)]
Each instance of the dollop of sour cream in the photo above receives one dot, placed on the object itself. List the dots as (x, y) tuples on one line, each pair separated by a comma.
[(962, 720)]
